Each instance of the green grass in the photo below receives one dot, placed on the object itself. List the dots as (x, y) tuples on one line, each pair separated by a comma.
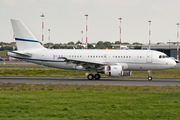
[(88, 102), (39, 71), (53, 72), (3, 53)]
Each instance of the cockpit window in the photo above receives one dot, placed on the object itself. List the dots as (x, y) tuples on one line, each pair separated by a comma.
[(163, 56)]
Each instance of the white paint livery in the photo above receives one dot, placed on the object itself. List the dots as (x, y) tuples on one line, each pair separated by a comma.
[(109, 62)]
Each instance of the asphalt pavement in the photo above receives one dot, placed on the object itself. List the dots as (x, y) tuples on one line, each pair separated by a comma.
[(85, 81)]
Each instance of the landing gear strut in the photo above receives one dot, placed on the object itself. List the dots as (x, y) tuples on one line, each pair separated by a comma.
[(149, 75), (96, 76)]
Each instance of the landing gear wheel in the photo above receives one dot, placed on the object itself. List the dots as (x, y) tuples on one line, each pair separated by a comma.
[(97, 76), (149, 75), (90, 77), (149, 78)]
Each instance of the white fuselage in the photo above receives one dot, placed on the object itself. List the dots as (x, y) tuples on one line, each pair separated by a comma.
[(134, 59)]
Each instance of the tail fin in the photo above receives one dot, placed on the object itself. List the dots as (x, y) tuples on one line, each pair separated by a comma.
[(24, 38)]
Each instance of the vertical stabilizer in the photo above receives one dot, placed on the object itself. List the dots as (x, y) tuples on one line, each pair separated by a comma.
[(24, 38)]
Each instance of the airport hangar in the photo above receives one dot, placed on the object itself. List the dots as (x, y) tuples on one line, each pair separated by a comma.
[(169, 48)]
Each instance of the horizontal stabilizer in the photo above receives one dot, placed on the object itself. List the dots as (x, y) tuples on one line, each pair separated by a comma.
[(22, 54)]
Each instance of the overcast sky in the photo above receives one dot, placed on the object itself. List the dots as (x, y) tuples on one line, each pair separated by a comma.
[(66, 20)]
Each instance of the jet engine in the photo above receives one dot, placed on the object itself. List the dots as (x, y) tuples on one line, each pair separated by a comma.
[(116, 71), (113, 70)]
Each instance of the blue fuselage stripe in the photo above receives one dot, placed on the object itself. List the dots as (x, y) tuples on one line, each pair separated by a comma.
[(19, 39), (64, 61), (38, 59)]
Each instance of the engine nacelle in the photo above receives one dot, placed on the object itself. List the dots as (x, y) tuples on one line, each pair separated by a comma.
[(127, 73), (113, 70)]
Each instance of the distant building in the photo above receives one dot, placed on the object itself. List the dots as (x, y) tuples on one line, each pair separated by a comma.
[(117, 46), (169, 48), (94, 44)]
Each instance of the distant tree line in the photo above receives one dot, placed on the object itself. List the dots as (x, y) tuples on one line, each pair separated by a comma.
[(99, 45)]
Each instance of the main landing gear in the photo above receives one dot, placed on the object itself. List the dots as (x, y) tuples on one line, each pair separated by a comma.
[(149, 75), (96, 76)]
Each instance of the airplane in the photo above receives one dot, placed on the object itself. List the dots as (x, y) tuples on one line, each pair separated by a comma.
[(113, 63)]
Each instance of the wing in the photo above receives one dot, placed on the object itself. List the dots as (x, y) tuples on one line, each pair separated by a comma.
[(87, 64)]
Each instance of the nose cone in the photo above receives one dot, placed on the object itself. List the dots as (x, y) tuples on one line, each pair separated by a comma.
[(172, 63)]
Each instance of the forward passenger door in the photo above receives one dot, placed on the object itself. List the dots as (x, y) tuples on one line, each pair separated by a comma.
[(149, 57)]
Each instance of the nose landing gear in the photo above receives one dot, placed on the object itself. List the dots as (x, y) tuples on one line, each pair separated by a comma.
[(149, 75)]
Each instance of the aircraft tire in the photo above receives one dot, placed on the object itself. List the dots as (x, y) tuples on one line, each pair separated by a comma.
[(149, 78), (97, 76), (90, 77)]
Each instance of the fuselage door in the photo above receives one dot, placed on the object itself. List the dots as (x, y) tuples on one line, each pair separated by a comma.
[(149, 57)]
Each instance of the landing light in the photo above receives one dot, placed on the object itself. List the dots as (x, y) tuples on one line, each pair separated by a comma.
[(106, 48)]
